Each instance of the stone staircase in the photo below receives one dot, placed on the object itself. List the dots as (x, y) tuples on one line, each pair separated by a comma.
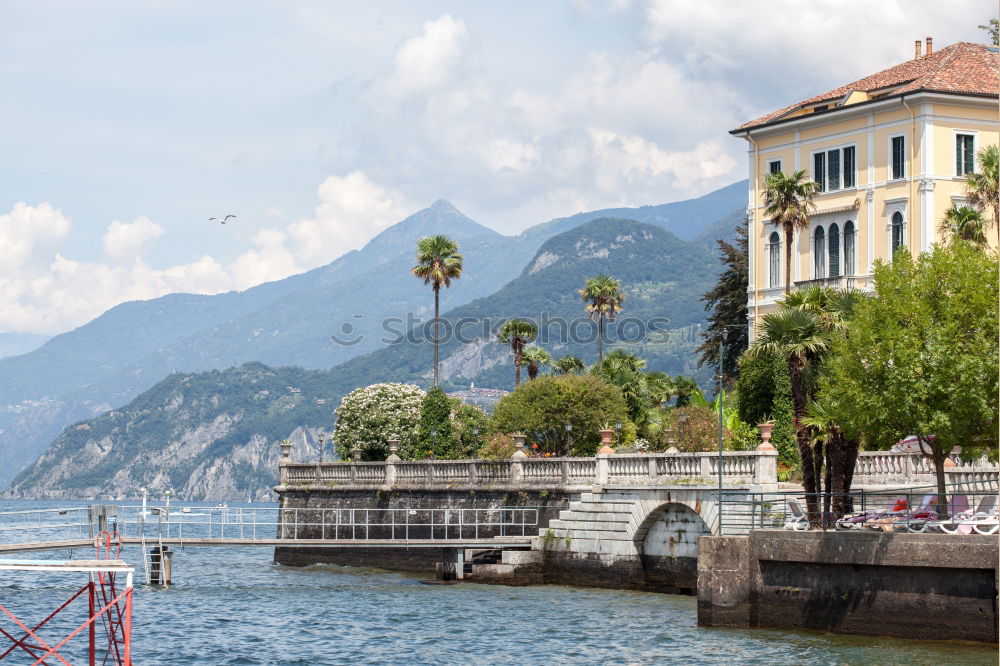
[(594, 523)]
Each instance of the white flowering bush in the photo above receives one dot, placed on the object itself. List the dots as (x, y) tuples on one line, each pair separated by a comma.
[(367, 417)]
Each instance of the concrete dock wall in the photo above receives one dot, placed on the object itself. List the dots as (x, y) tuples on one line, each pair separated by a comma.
[(922, 586)]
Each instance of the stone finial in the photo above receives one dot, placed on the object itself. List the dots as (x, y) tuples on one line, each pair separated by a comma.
[(286, 448), (519, 441), (356, 452), (765, 436), (393, 451), (672, 449)]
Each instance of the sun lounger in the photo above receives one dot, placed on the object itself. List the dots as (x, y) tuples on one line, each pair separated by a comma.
[(858, 521), (798, 520), (964, 522), (918, 522)]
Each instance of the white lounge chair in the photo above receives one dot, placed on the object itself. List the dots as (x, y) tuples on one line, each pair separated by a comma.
[(798, 521), (964, 522)]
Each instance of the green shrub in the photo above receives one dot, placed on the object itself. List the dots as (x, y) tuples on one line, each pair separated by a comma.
[(695, 428), (434, 433), (542, 407), (498, 447)]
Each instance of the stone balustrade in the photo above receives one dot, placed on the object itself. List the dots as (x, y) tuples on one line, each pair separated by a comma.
[(886, 467), (739, 468)]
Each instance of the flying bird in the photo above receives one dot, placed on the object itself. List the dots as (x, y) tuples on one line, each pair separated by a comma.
[(223, 220)]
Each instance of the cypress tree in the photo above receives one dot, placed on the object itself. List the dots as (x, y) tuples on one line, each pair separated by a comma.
[(435, 417), (727, 302)]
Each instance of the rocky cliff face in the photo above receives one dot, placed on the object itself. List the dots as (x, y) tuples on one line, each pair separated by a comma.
[(212, 436)]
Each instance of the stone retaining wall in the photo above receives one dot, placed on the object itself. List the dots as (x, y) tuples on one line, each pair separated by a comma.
[(921, 586)]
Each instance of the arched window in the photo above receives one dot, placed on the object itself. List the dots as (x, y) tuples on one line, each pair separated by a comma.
[(849, 248), (897, 231), (774, 260), (833, 241), (819, 254)]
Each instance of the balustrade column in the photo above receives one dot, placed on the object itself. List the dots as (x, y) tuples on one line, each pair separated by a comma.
[(705, 467), (390, 463)]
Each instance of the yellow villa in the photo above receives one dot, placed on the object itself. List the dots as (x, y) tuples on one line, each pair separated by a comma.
[(889, 152)]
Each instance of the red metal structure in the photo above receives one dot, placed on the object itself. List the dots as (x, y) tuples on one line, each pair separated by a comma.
[(107, 609)]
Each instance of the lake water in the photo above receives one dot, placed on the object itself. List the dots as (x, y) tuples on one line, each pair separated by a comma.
[(233, 606)]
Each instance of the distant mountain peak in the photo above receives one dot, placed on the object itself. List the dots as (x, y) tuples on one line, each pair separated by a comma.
[(444, 206)]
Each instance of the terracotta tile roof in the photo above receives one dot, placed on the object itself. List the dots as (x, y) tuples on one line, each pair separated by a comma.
[(964, 68)]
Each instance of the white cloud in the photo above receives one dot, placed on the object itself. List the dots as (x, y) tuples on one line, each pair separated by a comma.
[(352, 210), (29, 233), (426, 61), (43, 290), (125, 241)]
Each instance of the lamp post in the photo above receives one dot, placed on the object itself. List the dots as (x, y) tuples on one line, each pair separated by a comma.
[(618, 434), (320, 435), (569, 438)]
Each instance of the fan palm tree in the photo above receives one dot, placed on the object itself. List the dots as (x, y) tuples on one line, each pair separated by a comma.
[(517, 333), (788, 200), (797, 335), (535, 357), (965, 223), (683, 389), (603, 297), (982, 187), (568, 365), (438, 263)]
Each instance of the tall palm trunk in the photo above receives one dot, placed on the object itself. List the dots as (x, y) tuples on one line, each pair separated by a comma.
[(518, 346), (789, 236), (799, 401), (437, 309), (600, 339)]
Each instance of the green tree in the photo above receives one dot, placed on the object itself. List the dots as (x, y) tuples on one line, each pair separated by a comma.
[(434, 434), (797, 335), (536, 358), (964, 223), (763, 394), (684, 388), (788, 200), (543, 407), (438, 263), (568, 365), (625, 371), (695, 428), (470, 428), (369, 417), (921, 358), (727, 303), (517, 333), (603, 297), (993, 30), (981, 186)]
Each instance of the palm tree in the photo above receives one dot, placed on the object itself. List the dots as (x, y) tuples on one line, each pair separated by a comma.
[(517, 333), (683, 389), (788, 202), (604, 297), (982, 187), (568, 365), (535, 357), (965, 223), (797, 335), (438, 263)]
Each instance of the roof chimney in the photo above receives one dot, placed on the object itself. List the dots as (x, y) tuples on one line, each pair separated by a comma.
[(916, 50), (930, 46)]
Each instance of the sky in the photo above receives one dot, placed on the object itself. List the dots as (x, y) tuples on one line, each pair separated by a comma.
[(127, 125)]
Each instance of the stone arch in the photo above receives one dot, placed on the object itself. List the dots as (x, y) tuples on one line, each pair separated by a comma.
[(666, 540)]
